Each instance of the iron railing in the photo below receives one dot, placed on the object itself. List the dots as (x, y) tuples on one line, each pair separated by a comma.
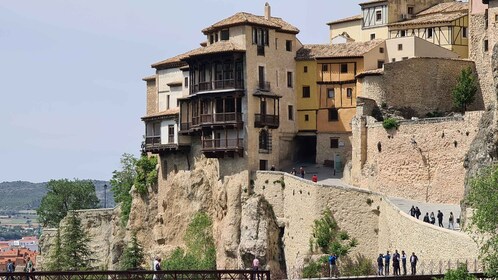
[(264, 86), (262, 120)]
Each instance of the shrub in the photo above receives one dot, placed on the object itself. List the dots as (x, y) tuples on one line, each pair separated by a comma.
[(357, 266), (460, 273), (390, 123)]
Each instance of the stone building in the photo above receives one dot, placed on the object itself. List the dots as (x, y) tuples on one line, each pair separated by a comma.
[(231, 99)]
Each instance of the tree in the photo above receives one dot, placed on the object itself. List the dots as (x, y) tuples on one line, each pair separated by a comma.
[(56, 259), (465, 90), (133, 256), (328, 237), (460, 273), (483, 199), (121, 183), (75, 251), (64, 195)]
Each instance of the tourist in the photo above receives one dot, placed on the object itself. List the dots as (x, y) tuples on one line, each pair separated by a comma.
[(403, 261), (413, 212), (451, 221), (10, 268), (413, 263), (387, 260), (272, 167), (157, 267), (333, 265), (433, 218), (293, 172), (417, 212), (380, 264), (28, 267), (426, 217), (302, 172), (440, 218), (396, 259), (255, 267), (314, 178)]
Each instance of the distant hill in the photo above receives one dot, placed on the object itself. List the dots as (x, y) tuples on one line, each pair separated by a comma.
[(21, 195)]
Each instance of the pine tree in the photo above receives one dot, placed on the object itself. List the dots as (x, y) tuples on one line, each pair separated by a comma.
[(75, 251), (56, 258), (465, 90), (133, 256)]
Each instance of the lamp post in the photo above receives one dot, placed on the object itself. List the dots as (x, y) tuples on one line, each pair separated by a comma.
[(105, 195)]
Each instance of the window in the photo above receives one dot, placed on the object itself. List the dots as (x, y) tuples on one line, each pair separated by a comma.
[(349, 92), (167, 101), (260, 36), (334, 143), (330, 93), (378, 15), (429, 32), (290, 112), (305, 70), (411, 11), (496, 18), (263, 140), (276, 43), (464, 32), (186, 82), (325, 67), (486, 45), (289, 79), (380, 64), (216, 37), (400, 47), (344, 68), (211, 39), (306, 92), (486, 17), (372, 36), (288, 45), (225, 34), (403, 33), (263, 164), (381, 50), (171, 134), (306, 118), (333, 115)]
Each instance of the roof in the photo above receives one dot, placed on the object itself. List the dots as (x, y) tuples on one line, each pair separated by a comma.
[(218, 47), (171, 62), (243, 18), (437, 14), (170, 112), (353, 18), (148, 78), (350, 49), (375, 72), (371, 2)]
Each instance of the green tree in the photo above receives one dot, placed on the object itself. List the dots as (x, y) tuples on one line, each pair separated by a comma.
[(133, 256), (74, 250), (121, 183), (64, 195), (460, 273), (465, 90), (146, 174), (328, 237), (56, 258), (483, 199), (200, 252)]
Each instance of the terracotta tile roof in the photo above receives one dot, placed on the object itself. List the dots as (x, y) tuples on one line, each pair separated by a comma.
[(170, 112), (218, 47), (148, 78), (351, 49), (440, 13), (250, 19), (171, 62), (353, 18), (372, 2), (375, 72)]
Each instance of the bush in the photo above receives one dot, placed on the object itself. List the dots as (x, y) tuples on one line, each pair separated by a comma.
[(315, 269), (357, 266), (390, 123), (460, 273)]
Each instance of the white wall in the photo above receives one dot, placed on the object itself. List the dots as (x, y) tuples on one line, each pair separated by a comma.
[(164, 132)]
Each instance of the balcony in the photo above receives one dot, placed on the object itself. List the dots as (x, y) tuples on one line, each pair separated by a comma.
[(218, 85), (153, 144), (218, 119), (262, 120), (216, 148), (264, 86)]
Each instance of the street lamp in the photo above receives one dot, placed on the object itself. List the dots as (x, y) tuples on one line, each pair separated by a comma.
[(105, 195)]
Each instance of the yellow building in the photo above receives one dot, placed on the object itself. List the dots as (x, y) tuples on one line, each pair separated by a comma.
[(326, 90)]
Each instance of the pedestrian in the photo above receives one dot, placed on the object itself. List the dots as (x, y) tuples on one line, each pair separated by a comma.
[(417, 212), (403, 261), (387, 261), (426, 217), (293, 172), (157, 267), (28, 268), (413, 263), (302, 172), (413, 211), (451, 221), (440, 218), (380, 264), (10, 268), (333, 265), (314, 178), (272, 167), (433, 218), (255, 267), (396, 259)]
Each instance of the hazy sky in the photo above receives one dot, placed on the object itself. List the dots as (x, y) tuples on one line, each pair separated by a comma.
[(70, 73)]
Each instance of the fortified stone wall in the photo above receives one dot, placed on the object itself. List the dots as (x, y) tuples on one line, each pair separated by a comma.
[(421, 160), (423, 84)]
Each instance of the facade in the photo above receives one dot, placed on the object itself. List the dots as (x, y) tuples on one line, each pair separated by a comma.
[(236, 102), (402, 48)]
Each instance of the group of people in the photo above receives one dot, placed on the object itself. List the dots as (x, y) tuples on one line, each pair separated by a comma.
[(28, 266), (399, 261), (302, 172), (415, 212)]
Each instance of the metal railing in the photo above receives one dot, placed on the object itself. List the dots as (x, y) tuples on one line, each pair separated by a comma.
[(262, 120), (140, 274), (264, 86)]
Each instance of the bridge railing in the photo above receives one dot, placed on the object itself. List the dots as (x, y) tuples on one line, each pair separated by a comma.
[(140, 275)]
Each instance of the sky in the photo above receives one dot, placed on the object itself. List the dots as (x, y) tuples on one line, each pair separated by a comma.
[(71, 73)]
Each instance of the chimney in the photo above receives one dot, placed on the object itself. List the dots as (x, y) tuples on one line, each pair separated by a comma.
[(267, 11)]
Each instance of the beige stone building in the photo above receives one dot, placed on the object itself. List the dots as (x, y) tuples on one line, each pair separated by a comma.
[(234, 96)]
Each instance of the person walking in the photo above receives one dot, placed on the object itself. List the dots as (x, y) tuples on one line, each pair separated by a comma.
[(10, 268), (302, 172), (433, 218), (403, 261), (272, 167), (333, 265), (255, 268), (417, 212), (314, 178), (412, 211), (156, 267), (387, 261), (396, 259), (451, 221), (413, 263), (426, 218), (380, 264), (440, 218), (294, 172)]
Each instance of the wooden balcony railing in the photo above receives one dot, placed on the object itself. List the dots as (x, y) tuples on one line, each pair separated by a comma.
[(262, 120), (219, 84), (210, 119), (222, 144), (152, 140)]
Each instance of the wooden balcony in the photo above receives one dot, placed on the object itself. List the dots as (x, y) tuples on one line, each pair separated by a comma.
[(262, 120), (218, 85), (218, 147), (153, 144), (218, 119)]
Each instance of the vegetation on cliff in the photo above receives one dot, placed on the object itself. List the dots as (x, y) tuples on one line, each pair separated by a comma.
[(483, 199), (200, 252), (461, 273), (64, 195), (465, 90), (133, 256)]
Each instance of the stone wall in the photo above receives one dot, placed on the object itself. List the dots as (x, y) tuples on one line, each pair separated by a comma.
[(421, 160), (423, 84)]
